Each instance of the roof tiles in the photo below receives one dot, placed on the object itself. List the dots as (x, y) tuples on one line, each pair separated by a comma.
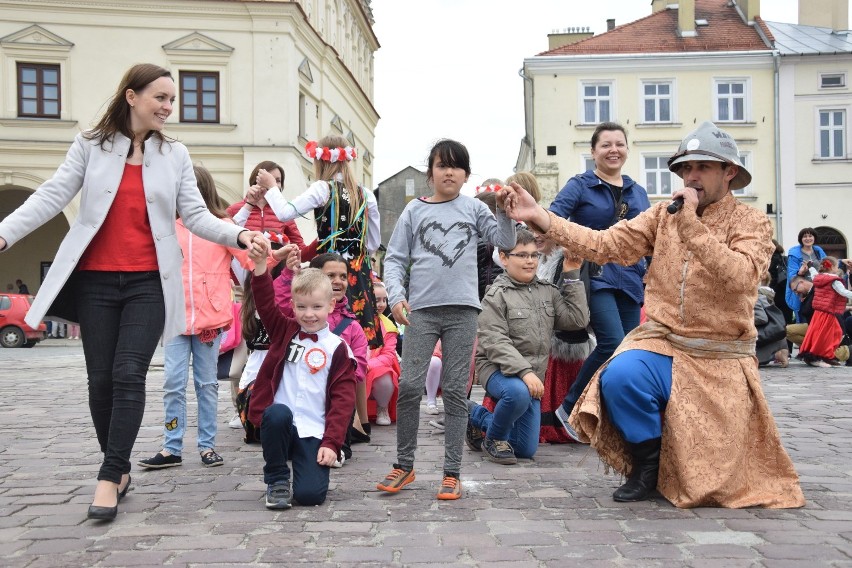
[(658, 33)]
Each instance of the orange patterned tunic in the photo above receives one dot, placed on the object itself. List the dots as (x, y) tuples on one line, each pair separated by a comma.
[(720, 445)]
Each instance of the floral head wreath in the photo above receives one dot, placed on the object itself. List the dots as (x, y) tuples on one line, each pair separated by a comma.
[(826, 264), (488, 188), (330, 154)]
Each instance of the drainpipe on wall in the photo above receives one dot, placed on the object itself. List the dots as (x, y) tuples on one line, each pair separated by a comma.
[(776, 58), (529, 130)]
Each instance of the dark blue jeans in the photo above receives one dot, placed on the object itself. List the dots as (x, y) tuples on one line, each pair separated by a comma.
[(281, 442), (122, 315), (516, 417), (613, 314)]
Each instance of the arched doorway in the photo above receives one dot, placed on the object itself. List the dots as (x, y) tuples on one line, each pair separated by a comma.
[(831, 241), (30, 256)]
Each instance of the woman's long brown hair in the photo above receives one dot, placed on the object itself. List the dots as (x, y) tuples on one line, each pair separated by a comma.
[(116, 119)]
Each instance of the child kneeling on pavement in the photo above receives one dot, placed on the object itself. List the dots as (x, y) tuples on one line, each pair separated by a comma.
[(305, 389), (519, 313)]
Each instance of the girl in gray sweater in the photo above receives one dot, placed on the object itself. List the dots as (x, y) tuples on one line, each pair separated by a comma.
[(435, 242)]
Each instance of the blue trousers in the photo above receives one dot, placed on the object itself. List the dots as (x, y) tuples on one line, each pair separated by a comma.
[(281, 442), (176, 374), (635, 389), (516, 416), (612, 314)]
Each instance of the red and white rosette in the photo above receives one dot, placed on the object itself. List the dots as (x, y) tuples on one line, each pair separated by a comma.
[(488, 188), (338, 154), (316, 360)]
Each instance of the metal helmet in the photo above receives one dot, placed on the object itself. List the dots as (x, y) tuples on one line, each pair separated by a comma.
[(710, 143)]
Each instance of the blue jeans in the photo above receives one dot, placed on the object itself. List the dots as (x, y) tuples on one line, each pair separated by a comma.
[(613, 314), (635, 389), (204, 366), (122, 315), (516, 417), (281, 442)]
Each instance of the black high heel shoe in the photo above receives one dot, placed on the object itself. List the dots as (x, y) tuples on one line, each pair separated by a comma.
[(124, 491), (98, 513)]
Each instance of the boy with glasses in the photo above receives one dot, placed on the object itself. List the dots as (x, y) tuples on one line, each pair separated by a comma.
[(519, 313)]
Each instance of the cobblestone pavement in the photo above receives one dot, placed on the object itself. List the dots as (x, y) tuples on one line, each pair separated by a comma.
[(555, 511)]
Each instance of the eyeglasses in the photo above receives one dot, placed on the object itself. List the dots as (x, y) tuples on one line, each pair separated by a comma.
[(525, 255)]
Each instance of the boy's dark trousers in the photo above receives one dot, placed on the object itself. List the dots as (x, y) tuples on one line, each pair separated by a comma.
[(281, 442)]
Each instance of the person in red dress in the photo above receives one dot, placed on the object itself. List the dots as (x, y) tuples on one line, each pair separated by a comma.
[(824, 332)]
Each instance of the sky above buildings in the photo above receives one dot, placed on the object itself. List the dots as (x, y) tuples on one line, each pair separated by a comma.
[(449, 69)]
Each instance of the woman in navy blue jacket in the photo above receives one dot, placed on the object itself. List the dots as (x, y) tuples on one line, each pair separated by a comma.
[(598, 199)]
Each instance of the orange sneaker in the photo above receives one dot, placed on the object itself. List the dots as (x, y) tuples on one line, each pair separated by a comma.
[(396, 479), (450, 488)]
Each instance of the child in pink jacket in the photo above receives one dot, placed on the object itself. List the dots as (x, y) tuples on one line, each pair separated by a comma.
[(207, 287), (383, 365)]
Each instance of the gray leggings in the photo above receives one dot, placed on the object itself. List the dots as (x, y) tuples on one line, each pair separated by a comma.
[(455, 326)]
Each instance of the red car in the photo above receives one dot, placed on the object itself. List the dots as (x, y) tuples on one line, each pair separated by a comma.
[(14, 332)]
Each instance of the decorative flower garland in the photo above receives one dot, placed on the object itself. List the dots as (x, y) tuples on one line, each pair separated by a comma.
[(330, 154), (488, 188)]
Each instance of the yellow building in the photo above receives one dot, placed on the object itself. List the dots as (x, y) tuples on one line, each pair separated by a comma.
[(660, 76), (815, 101), (256, 80)]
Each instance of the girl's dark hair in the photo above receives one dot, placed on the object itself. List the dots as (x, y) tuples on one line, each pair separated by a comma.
[(117, 116), (451, 153), (807, 231), (207, 187), (606, 126), (248, 309), (779, 249), (322, 259), (268, 166)]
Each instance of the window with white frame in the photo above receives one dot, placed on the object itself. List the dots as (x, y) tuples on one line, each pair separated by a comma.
[(302, 116), (658, 179), (657, 101), (832, 80), (832, 133), (745, 160), (587, 162), (597, 102), (731, 101)]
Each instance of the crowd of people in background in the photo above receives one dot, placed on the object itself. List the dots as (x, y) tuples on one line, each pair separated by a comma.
[(577, 322)]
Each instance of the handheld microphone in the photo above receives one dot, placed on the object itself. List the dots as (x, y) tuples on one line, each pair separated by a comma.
[(675, 206)]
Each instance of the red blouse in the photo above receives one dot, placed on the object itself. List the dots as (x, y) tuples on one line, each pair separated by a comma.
[(124, 242)]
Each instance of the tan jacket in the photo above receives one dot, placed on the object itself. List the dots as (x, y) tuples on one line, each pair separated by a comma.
[(720, 445), (516, 322)]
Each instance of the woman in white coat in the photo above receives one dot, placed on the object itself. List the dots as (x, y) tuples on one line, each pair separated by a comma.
[(118, 270)]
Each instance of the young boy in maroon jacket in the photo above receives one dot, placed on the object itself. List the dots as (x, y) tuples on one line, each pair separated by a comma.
[(305, 390)]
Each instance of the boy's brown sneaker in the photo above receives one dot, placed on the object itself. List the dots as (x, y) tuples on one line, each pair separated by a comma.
[(396, 479), (450, 488)]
